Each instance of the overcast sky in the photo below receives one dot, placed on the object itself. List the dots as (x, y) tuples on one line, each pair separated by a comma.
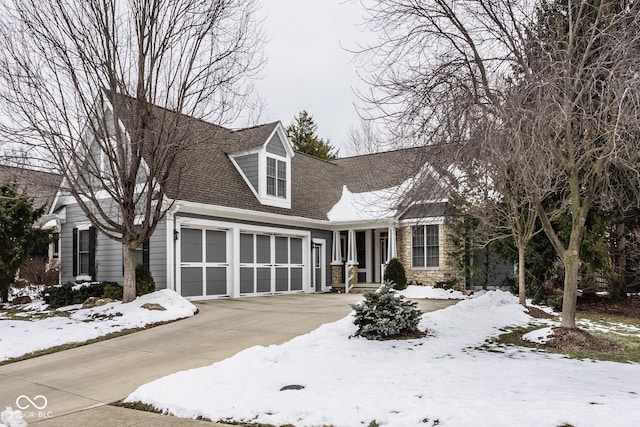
[(308, 67)]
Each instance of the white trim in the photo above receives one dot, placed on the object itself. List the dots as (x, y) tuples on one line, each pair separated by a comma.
[(286, 142), (266, 199), (249, 215), (336, 249), (233, 251), (244, 177), (440, 259), (323, 266), (436, 220), (81, 226), (170, 253)]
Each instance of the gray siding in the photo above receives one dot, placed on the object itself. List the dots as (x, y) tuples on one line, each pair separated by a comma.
[(328, 237), (275, 146), (109, 259), (249, 166)]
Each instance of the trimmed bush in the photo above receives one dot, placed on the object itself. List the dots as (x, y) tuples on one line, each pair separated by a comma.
[(394, 272), (144, 280), (386, 314), (112, 291), (72, 293)]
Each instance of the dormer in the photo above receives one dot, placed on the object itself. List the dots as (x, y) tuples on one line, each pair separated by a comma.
[(266, 167)]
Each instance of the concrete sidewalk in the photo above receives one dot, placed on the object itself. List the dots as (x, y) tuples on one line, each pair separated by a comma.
[(77, 383)]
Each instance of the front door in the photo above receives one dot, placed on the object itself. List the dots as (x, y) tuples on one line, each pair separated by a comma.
[(317, 262)]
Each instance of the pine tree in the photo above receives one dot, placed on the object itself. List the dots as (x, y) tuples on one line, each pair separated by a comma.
[(18, 236), (302, 133)]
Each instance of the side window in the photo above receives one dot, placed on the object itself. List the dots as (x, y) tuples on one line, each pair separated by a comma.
[(84, 252)]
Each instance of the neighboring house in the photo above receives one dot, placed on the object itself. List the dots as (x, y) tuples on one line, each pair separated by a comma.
[(251, 216), (41, 188)]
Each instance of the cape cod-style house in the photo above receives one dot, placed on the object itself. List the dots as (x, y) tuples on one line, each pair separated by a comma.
[(250, 216)]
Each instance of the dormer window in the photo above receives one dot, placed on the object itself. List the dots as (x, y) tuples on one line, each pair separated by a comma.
[(267, 168), (276, 178)]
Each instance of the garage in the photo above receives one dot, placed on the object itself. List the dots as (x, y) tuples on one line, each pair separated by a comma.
[(226, 260), (204, 270), (270, 264)]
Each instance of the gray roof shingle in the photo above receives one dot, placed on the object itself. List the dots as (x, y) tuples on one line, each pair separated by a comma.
[(204, 173), (39, 186)]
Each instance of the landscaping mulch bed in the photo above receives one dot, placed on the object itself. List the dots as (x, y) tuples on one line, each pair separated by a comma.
[(406, 336), (539, 314), (578, 339), (629, 307)]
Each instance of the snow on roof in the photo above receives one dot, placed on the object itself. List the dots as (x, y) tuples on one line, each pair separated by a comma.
[(367, 206)]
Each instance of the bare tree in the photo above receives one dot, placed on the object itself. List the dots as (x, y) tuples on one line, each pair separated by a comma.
[(559, 76), (365, 139), (99, 89)]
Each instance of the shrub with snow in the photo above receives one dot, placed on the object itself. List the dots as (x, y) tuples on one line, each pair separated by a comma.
[(386, 314)]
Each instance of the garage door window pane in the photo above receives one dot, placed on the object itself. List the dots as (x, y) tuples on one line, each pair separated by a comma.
[(216, 280), (296, 279), (282, 250), (282, 279), (216, 246), (263, 249), (264, 279), (246, 248), (296, 251), (191, 281), (191, 245), (246, 280)]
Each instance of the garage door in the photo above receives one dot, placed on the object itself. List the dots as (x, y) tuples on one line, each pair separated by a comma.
[(270, 264), (204, 266)]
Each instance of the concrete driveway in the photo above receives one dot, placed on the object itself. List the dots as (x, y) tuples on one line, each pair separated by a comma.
[(91, 376)]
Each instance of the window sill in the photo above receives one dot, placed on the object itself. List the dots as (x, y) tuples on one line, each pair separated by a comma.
[(83, 278)]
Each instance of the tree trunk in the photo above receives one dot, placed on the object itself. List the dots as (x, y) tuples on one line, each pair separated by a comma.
[(522, 291), (129, 287), (571, 268)]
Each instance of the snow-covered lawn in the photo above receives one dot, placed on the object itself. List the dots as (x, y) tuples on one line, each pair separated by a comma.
[(20, 337), (443, 379), (413, 291)]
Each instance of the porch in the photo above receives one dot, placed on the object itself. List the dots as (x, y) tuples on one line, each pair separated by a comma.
[(360, 254)]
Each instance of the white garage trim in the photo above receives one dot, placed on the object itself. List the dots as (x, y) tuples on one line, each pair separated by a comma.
[(234, 230)]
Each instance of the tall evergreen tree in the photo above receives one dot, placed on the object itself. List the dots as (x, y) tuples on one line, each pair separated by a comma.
[(18, 236), (302, 132)]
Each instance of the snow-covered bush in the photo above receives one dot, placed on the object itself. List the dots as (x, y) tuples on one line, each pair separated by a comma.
[(386, 314)]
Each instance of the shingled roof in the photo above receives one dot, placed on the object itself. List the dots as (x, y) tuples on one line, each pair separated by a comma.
[(39, 186), (204, 172)]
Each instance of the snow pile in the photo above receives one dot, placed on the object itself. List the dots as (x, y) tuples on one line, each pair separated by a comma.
[(414, 291), (539, 336), (443, 379), (20, 337), (12, 418)]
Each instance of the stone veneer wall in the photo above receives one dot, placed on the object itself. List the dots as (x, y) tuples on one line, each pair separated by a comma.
[(336, 275), (430, 275)]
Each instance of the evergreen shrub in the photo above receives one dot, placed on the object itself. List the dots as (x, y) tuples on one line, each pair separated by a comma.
[(72, 293), (112, 291), (386, 314), (394, 272), (144, 280)]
